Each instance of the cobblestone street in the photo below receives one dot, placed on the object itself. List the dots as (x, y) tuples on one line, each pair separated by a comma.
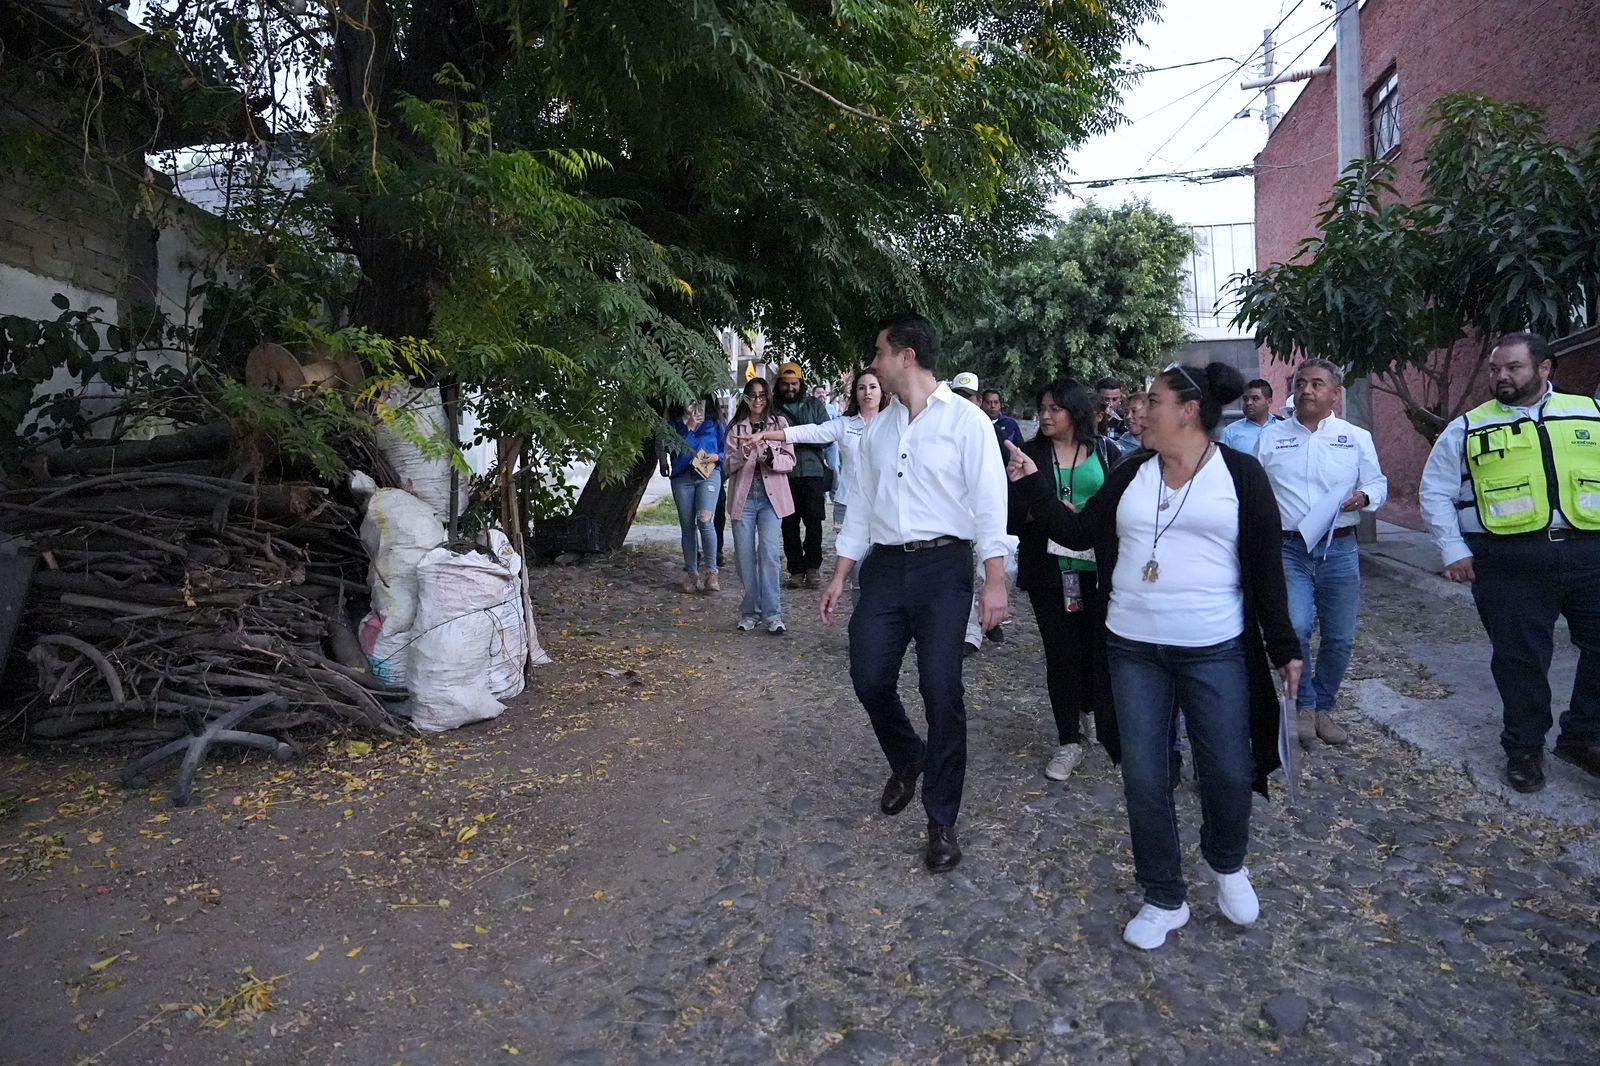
[(670, 852)]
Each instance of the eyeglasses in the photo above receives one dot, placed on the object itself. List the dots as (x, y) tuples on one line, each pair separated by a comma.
[(1180, 368)]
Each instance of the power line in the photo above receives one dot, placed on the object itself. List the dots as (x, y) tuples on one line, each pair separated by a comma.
[(1208, 99), (1175, 66), (1252, 99), (1199, 177)]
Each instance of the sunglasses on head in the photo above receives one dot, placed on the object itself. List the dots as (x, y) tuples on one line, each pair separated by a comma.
[(1180, 368)]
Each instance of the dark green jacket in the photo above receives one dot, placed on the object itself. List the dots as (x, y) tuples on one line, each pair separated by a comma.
[(807, 411)]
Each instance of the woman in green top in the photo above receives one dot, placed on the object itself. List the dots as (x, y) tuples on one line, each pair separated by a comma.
[(1064, 585)]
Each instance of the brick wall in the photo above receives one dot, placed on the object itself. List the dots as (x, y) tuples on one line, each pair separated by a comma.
[(1545, 52), (64, 230)]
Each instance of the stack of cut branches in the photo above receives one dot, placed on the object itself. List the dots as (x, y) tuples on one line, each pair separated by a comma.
[(174, 588)]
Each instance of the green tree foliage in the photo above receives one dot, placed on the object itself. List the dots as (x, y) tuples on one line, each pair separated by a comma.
[(567, 197), (1506, 237), (1101, 295)]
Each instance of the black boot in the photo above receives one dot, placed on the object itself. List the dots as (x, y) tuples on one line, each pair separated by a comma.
[(1525, 773)]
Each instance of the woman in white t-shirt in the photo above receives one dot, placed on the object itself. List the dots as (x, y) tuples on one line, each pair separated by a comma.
[(1188, 537)]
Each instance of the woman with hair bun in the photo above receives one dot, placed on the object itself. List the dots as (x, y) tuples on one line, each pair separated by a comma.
[(1187, 539)]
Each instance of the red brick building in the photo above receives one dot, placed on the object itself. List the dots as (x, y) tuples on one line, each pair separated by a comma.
[(1544, 52)]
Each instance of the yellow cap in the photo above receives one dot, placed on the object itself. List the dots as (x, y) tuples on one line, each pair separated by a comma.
[(790, 370)]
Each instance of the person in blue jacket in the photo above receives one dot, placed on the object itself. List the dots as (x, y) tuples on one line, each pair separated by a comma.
[(696, 473)]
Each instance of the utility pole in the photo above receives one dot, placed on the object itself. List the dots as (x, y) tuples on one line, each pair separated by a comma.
[(1269, 67), (1347, 84)]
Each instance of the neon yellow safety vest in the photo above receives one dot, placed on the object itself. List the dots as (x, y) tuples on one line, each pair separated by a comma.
[(1522, 469)]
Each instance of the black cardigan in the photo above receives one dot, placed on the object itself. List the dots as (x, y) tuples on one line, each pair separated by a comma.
[(1268, 634), (1037, 569)]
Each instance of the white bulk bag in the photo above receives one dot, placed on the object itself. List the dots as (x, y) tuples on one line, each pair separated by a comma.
[(397, 530), (426, 478), (452, 639)]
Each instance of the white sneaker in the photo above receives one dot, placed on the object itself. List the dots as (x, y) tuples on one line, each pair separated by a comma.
[(775, 627), (1236, 897), (746, 624), (1150, 926), (1064, 761)]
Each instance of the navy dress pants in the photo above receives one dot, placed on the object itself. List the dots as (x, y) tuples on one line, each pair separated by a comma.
[(920, 596)]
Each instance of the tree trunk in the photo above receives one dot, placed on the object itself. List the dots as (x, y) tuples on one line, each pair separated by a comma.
[(609, 510)]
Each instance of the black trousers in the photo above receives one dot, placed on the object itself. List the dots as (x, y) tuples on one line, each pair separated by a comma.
[(1076, 675), (810, 501), (1523, 584), (922, 597)]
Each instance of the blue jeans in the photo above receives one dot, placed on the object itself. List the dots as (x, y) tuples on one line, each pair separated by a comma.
[(1148, 683), (919, 596), (696, 498), (1523, 585), (1324, 591), (757, 539)]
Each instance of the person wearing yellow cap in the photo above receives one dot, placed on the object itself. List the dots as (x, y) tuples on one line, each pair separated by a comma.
[(809, 481)]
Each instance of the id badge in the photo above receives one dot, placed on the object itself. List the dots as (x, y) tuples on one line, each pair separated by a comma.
[(1072, 591)]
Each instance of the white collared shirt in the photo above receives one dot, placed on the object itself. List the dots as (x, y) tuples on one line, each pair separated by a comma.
[(1445, 482), (938, 475), (1306, 466)]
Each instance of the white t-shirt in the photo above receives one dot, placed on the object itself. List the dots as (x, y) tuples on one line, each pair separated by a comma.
[(1196, 600)]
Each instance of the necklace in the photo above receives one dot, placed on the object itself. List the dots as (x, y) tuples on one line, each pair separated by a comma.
[(1151, 571), (1072, 473)]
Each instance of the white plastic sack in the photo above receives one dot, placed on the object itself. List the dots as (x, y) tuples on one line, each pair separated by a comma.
[(452, 638), (397, 531), (509, 649), (388, 651), (426, 479)]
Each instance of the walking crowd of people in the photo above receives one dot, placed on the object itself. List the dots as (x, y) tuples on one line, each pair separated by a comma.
[(1178, 572)]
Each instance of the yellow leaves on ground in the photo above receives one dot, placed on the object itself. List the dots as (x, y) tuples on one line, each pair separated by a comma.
[(353, 952), (96, 967), (253, 999), (315, 955)]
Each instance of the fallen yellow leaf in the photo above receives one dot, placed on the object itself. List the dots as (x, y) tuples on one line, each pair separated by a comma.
[(466, 834), (314, 955), (353, 952), (460, 946), (96, 967)]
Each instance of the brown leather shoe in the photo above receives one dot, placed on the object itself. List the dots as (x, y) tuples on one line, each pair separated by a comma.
[(1329, 731), (1585, 757), (1524, 773), (1306, 723), (711, 582)]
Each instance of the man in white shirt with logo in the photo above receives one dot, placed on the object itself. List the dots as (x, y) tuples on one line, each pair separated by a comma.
[(1318, 462), (930, 490)]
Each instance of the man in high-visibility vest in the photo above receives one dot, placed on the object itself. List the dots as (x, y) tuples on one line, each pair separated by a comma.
[(1512, 494)]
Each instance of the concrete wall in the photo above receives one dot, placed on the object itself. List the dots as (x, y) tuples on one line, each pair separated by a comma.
[(1545, 53)]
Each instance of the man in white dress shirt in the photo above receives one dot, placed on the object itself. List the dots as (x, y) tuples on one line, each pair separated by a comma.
[(930, 490), (1314, 460)]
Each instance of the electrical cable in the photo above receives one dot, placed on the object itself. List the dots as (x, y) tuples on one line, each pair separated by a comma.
[(1213, 95)]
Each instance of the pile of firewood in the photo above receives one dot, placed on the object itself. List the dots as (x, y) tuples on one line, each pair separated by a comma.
[(181, 597)]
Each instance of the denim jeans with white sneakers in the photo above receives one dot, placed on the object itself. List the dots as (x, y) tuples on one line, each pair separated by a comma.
[(1148, 683), (758, 541)]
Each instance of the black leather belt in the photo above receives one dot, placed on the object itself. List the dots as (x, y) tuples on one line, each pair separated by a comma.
[(1551, 534), (920, 545), (1342, 531)]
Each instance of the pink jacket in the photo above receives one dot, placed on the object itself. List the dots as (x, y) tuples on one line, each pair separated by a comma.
[(742, 470)]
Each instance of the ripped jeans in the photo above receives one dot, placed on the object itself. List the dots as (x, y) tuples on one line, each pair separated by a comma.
[(696, 498)]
